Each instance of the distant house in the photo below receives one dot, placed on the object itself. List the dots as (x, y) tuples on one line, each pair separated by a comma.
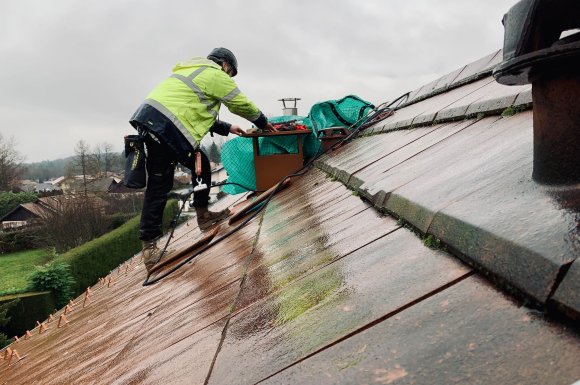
[(26, 214), (46, 187), (30, 214), (27, 185), (102, 184), (76, 184), (32, 186), (57, 181)]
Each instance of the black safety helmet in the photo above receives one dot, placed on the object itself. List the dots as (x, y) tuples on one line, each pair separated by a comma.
[(219, 55)]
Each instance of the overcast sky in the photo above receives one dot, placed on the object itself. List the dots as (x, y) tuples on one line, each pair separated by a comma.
[(72, 70)]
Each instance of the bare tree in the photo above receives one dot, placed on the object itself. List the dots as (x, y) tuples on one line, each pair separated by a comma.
[(10, 164), (82, 161), (98, 159), (73, 221), (108, 154), (101, 159)]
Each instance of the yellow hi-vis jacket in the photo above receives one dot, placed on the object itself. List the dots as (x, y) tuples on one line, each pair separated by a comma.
[(192, 96)]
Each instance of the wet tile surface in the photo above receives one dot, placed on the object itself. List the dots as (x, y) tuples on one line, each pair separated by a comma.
[(186, 362), (349, 158), (513, 228), (567, 295), (484, 64), (453, 173), (493, 97), (443, 101), (425, 111), (481, 202), (383, 177), (425, 138), (321, 228), (363, 153), (466, 334), (332, 302), (125, 323)]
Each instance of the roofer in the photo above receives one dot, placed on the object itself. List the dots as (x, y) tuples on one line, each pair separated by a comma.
[(174, 118)]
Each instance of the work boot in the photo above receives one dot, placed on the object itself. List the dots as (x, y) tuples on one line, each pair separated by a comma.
[(206, 218), (151, 254)]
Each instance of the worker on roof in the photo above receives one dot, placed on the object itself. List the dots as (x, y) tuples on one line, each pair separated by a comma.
[(174, 118)]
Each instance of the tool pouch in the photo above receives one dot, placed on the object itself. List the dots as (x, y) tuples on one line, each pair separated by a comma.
[(135, 172)]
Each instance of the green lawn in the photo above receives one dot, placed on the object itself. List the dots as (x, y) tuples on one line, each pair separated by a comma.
[(16, 269)]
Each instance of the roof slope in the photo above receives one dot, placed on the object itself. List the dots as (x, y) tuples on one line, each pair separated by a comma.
[(322, 288), (454, 168)]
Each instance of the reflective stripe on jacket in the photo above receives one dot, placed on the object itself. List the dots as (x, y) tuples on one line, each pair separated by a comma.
[(192, 96)]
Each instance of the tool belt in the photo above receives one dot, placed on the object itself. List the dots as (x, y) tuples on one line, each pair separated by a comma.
[(135, 170)]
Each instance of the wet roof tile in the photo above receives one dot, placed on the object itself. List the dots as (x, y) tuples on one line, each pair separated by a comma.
[(492, 98), (424, 111), (320, 308), (186, 362), (478, 201), (422, 139), (483, 65), (450, 172), (567, 296), (283, 259), (463, 75), (349, 159), (377, 182), (467, 334)]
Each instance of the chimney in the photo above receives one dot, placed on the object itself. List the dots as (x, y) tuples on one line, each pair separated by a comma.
[(542, 47), (287, 110)]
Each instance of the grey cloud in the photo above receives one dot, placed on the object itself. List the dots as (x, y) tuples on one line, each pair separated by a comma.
[(79, 69)]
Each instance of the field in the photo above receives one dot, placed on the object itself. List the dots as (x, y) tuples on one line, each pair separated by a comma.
[(16, 269)]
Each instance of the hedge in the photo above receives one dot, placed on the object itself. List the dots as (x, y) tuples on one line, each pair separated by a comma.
[(30, 308), (19, 240), (98, 257)]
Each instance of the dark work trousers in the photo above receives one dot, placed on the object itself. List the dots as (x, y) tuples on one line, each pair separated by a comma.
[(161, 161)]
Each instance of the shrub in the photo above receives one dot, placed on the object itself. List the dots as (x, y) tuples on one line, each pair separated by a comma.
[(170, 212), (56, 277)]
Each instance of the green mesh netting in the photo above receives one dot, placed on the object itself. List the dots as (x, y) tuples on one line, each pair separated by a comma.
[(238, 154)]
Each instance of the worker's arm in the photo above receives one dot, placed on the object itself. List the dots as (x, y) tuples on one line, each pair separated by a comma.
[(220, 127), (224, 128), (227, 92)]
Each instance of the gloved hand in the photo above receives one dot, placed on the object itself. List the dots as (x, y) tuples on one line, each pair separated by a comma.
[(237, 130), (270, 128)]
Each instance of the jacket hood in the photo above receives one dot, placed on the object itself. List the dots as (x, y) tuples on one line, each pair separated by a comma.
[(195, 62)]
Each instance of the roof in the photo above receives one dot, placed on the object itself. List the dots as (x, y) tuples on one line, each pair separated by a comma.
[(46, 187), (47, 205), (322, 287), (58, 180), (35, 209)]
